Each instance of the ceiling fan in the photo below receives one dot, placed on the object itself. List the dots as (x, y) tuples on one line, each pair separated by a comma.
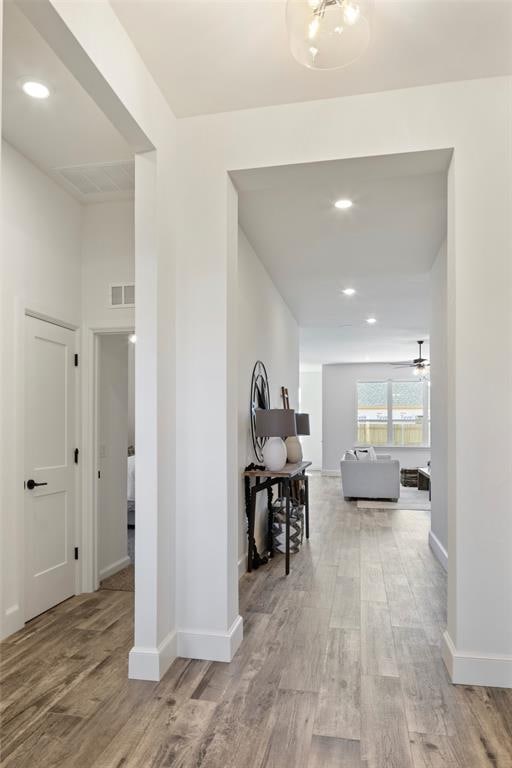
[(420, 364)]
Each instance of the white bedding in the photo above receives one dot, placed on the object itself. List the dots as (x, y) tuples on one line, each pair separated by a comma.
[(131, 478)]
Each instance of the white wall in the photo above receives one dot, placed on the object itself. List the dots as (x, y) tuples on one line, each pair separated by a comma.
[(439, 408), (311, 402), (40, 252), (267, 331), (108, 256), (41, 235), (340, 413), (112, 453)]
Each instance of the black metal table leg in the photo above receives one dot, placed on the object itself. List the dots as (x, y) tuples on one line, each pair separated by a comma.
[(287, 492), (306, 489), (270, 523)]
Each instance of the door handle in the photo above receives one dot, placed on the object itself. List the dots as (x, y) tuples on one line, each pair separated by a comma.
[(31, 484)]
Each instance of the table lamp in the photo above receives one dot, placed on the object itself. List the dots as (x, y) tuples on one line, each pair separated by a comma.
[(293, 446), (275, 423)]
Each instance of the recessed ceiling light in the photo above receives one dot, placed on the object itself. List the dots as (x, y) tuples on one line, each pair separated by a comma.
[(349, 291), (371, 320), (132, 337), (343, 204), (35, 89)]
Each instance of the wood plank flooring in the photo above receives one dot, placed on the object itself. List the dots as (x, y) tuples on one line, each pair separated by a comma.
[(340, 668)]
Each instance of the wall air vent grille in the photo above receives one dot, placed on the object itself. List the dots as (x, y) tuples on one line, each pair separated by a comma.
[(122, 295), (101, 178)]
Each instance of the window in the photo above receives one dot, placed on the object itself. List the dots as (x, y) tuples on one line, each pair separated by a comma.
[(372, 412), (407, 405), (393, 413)]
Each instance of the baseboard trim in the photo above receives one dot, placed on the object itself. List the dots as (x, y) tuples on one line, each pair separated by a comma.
[(438, 550), (470, 668), (152, 663), (211, 646), (114, 568), (13, 621)]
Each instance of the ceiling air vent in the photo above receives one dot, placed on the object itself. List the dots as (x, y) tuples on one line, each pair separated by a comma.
[(100, 178), (122, 295)]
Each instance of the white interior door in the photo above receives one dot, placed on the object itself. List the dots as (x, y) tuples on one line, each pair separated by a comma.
[(49, 466)]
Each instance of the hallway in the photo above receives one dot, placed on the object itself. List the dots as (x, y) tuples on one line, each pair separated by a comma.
[(340, 666)]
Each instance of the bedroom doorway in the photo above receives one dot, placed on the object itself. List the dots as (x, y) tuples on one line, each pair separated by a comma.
[(115, 459)]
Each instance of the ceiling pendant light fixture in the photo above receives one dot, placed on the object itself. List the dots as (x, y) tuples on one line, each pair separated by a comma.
[(328, 34)]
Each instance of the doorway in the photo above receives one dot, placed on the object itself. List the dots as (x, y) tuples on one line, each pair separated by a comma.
[(115, 459), (51, 458)]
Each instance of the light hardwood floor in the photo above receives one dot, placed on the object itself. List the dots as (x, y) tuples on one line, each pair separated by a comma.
[(340, 667)]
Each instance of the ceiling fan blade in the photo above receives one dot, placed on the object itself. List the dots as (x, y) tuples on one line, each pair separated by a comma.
[(403, 362)]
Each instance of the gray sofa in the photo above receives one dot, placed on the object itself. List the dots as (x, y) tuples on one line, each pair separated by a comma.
[(378, 479)]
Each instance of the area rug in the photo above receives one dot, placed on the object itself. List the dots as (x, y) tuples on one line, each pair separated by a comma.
[(410, 498), (122, 581)]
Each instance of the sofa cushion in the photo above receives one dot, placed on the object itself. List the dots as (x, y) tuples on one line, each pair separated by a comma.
[(350, 456)]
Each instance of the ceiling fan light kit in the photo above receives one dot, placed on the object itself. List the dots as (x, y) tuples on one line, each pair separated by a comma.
[(420, 364), (328, 34)]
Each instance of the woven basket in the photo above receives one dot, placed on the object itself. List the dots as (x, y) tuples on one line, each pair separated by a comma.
[(409, 478), (279, 525)]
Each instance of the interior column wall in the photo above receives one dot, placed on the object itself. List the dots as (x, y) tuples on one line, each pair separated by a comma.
[(207, 575)]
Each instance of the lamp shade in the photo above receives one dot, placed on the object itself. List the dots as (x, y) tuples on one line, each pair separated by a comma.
[(275, 422), (302, 423)]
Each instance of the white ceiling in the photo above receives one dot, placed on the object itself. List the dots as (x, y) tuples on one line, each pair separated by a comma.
[(215, 56), (67, 129), (384, 247)]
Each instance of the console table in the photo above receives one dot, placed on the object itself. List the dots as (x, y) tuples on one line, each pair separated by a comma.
[(257, 480), (424, 481)]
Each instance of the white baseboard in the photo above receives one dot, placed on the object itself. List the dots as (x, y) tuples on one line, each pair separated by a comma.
[(468, 668), (152, 663), (114, 568), (242, 566), (212, 646), (12, 622), (439, 551)]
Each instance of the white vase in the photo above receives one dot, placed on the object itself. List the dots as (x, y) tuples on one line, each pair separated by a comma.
[(274, 454), (293, 450)]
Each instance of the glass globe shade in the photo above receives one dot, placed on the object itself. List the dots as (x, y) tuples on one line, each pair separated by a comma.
[(328, 34)]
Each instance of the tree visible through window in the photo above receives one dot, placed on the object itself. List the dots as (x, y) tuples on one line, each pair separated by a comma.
[(393, 413)]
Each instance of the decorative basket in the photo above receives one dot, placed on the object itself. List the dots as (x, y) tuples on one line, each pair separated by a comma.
[(409, 478), (279, 525)]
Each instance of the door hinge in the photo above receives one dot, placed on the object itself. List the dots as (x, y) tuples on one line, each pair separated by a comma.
[(76, 360), (99, 474), (77, 453), (76, 553)]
